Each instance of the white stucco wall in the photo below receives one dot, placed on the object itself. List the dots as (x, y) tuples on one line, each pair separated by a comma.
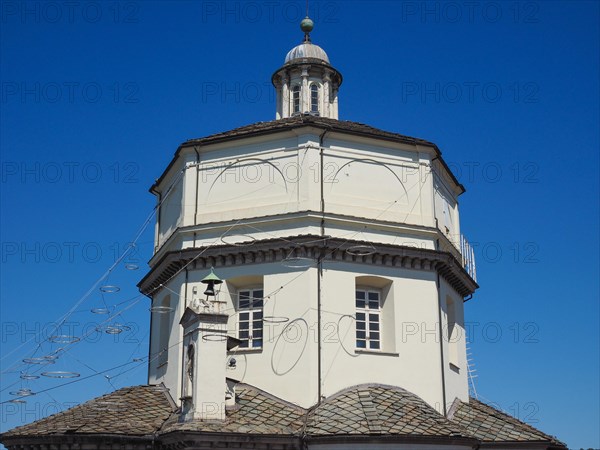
[(410, 359), (286, 365)]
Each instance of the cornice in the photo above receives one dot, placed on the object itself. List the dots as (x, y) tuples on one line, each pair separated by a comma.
[(313, 217), (313, 247)]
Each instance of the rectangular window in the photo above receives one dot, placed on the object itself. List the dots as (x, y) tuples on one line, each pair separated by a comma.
[(314, 99), (250, 318), (296, 99), (368, 323)]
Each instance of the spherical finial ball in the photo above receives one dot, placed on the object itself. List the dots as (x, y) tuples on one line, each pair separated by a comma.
[(307, 25)]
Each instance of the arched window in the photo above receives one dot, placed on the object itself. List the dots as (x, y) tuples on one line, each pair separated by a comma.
[(314, 99), (296, 99)]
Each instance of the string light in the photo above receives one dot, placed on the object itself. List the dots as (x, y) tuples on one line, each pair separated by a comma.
[(238, 240)]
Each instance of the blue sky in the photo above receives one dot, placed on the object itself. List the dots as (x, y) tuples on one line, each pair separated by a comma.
[(96, 97)]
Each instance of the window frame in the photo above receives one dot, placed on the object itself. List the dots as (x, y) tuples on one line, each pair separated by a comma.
[(368, 311), (296, 91), (255, 314), (314, 103)]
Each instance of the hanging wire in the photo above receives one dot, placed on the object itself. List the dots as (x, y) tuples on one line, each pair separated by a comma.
[(107, 273), (111, 288)]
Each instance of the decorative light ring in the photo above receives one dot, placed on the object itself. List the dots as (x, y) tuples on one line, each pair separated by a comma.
[(116, 328), (285, 329), (298, 262), (213, 337), (248, 242), (22, 393), (275, 319), (60, 374), (17, 400), (101, 310), (361, 250), (131, 266), (28, 376), (161, 309), (110, 289), (42, 360), (63, 339)]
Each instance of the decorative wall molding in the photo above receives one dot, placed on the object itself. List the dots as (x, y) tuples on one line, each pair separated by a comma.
[(312, 247)]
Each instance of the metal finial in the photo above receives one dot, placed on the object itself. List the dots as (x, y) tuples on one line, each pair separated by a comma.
[(307, 26)]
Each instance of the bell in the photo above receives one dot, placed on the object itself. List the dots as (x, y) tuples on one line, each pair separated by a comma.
[(211, 280), (210, 289)]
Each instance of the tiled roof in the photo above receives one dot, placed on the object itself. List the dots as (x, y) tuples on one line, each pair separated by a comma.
[(256, 412), (378, 409), (491, 425), (305, 120), (362, 411), (131, 411)]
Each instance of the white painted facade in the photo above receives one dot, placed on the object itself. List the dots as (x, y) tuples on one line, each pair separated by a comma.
[(237, 195)]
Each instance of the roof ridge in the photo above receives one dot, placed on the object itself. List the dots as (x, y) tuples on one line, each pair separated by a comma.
[(305, 119), (369, 409), (453, 408), (362, 385)]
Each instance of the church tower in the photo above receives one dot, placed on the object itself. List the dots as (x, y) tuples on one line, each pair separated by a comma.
[(339, 247), (307, 83)]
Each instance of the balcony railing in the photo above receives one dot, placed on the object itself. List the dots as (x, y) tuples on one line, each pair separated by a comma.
[(461, 249), (468, 257)]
